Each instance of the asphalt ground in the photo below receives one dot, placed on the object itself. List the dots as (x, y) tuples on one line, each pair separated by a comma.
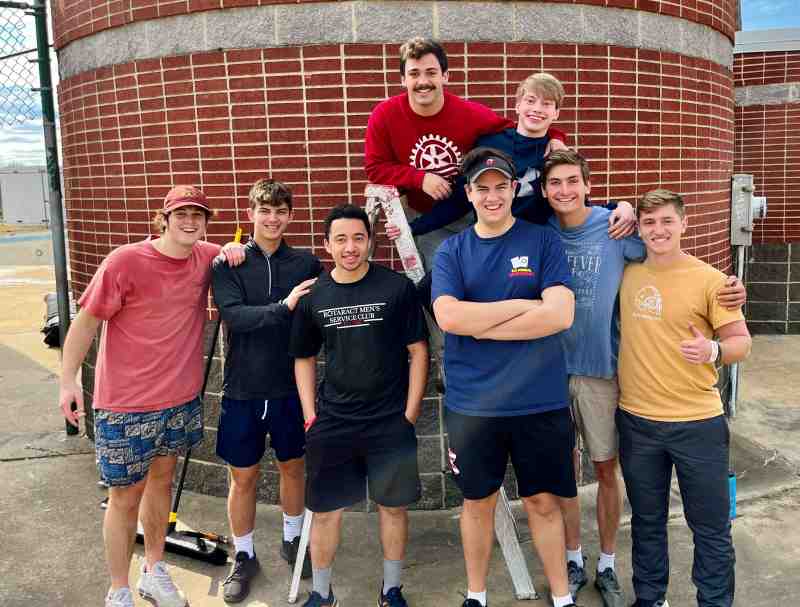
[(50, 520)]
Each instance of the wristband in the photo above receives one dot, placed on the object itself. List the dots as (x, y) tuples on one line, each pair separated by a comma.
[(307, 425), (714, 354)]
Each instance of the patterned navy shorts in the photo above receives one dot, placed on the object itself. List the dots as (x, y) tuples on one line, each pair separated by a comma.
[(126, 443)]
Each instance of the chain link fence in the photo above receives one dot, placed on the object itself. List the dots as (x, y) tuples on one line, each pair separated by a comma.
[(18, 103)]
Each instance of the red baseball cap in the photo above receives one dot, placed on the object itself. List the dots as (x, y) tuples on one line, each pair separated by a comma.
[(185, 195)]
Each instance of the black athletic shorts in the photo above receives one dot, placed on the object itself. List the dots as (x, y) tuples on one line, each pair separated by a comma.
[(540, 446), (342, 454)]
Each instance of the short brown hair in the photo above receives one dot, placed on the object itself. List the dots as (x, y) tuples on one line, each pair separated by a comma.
[(160, 219), (543, 84), (271, 193), (416, 48), (565, 157), (655, 199)]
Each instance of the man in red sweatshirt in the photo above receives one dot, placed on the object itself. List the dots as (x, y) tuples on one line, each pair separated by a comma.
[(415, 142)]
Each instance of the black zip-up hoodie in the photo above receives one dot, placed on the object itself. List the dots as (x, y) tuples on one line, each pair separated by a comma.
[(249, 297)]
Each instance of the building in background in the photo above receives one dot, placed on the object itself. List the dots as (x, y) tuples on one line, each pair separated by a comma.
[(219, 94), (767, 88)]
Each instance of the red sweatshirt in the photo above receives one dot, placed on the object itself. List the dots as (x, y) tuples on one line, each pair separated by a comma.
[(401, 146)]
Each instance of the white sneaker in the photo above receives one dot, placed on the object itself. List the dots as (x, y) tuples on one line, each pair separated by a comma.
[(157, 586), (121, 597)]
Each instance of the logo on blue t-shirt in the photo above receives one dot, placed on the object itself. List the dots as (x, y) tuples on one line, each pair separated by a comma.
[(519, 267)]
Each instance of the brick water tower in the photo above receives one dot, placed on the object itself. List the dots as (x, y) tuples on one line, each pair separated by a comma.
[(218, 93)]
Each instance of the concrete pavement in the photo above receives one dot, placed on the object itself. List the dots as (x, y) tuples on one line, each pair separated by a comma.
[(51, 523)]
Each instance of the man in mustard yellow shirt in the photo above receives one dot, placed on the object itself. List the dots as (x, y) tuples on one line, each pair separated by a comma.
[(673, 335)]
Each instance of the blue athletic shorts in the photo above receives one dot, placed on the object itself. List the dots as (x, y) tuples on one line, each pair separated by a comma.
[(126, 443), (244, 425)]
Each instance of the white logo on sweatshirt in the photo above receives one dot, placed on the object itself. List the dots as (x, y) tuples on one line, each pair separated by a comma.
[(526, 182), (436, 154)]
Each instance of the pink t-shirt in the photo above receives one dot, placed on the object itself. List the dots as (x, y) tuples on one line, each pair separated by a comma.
[(151, 350)]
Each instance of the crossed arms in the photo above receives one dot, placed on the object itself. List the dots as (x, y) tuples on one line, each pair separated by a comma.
[(507, 320)]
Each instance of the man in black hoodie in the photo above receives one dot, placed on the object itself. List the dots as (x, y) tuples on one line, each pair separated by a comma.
[(256, 301)]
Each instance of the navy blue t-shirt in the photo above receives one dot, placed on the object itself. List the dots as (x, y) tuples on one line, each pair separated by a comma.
[(495, 378)]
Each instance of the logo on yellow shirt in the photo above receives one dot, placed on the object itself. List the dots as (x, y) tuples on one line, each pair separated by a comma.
[(648, 304)]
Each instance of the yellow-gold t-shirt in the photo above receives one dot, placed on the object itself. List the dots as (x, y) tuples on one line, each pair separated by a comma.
[(656, 307)]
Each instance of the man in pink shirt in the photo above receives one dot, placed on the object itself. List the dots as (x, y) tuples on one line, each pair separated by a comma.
[(152, 296)]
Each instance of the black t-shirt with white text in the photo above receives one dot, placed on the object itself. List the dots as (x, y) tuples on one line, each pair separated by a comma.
[(365, 327)]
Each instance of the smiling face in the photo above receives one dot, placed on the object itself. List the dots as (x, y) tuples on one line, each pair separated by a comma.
[(185, 226), (348, 244), (661, 229), (424, 82), (565, 189), (492, 194), (269, 222), (535, 113)]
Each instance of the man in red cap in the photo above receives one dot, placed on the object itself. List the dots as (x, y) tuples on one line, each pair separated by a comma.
[(152, 296)]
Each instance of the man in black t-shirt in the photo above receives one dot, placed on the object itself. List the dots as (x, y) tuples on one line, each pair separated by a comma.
[(369, 319)]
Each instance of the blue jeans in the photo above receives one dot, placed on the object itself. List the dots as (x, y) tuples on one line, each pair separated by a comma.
[(699, 452)]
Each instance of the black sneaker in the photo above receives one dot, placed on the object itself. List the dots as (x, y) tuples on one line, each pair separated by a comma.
[(393, 598), (472, 603), (659, 603), (576, 576), (289, 554), (236, 586), (607, 584), (315, 600)]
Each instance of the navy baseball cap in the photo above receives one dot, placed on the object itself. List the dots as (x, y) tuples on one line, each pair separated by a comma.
[(490, 163)]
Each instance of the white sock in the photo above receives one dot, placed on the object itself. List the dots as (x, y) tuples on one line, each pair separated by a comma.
[(562, 601), (478, 596), (606, 561), (292, 526), (244, 543), (576, 556)]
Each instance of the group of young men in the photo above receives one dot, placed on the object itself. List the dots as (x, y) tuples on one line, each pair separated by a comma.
[(525, 280)]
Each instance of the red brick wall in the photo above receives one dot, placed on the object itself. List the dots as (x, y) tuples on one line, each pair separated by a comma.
[(777, 67), (78, 18), (768, 144), (221, 120)]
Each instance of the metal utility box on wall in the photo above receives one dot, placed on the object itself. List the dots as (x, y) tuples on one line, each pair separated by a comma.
[(23, 196), (745, 209)]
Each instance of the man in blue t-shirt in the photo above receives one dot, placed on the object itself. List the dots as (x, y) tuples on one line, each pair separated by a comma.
[(501, 294), (597, 262)]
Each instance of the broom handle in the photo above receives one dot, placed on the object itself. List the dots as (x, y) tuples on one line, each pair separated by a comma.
[(173, 514)]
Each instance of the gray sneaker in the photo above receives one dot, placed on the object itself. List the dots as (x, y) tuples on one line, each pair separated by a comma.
[(121, 597), (157, 587), (607, 584), (576, 576)]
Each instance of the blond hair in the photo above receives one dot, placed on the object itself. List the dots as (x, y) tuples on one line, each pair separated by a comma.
[(655, 199), (544, 85)]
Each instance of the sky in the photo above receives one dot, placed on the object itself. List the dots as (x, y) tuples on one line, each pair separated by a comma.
[(23, 144)]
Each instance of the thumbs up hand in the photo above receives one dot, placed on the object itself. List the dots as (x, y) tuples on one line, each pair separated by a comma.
[(696, 350)]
